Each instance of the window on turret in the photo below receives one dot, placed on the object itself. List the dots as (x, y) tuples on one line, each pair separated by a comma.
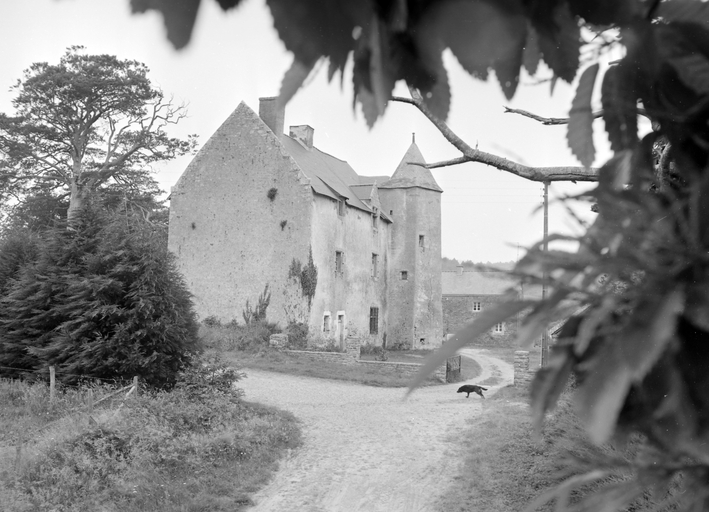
[(375, 266), (421, 241), (339, 258), (375, 219), (477, 306), (341, 207), (373, 320), (404, 275), (499, 328)]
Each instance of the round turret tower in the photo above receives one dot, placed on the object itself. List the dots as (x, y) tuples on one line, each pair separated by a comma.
[(412, 199)]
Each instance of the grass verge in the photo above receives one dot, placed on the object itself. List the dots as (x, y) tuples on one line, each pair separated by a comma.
[(195, 448), (282, 362), (506, 466)]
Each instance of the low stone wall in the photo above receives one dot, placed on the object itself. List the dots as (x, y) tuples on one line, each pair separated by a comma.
[(330, 357), (407, 370), (523, 375), (351, 357)]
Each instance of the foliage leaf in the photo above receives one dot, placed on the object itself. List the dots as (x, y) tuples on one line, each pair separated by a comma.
[(580, 129), (619, 108), (372, 73), (330, 28), (619, 363), (683, 10), (549, 382), (292, 80), (485, 321), (531, 54), (482, 35), (179, 19), (560, 43), (693, 69)]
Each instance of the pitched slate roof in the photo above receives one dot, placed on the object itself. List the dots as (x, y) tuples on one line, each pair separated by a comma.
[(488, 282), (329, 176), (408, 174)]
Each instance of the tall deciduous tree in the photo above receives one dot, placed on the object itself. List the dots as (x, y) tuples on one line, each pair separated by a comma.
[(88, 122)]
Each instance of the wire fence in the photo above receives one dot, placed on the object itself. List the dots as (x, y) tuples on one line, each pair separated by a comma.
[(87, 405)]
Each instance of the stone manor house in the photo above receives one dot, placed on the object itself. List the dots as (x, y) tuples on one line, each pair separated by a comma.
[(344, 253)]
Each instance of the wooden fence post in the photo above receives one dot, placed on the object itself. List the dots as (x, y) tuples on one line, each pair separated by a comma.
[(52, 384), (18, 454), (135, 385)]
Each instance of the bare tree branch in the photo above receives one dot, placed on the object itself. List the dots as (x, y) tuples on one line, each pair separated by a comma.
[(541, 174), (549, 121)]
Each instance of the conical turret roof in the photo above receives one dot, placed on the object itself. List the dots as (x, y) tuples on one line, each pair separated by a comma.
[(412, 172)]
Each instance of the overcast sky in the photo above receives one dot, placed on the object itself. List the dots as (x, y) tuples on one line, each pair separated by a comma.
[(487, 214)]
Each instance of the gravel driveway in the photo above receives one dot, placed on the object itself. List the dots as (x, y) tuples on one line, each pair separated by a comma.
[(367, 449)]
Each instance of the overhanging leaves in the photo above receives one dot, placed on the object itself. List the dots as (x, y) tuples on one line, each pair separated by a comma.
[(580, 129), (626, 358), (620, 107), (560, 42), (482, 35), (179, 17), (683, 10)]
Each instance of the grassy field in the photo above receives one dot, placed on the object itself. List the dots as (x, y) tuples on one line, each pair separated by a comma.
[(195, 448)]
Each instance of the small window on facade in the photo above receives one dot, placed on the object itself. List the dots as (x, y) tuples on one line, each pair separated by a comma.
[(499, 328), (341, 207), (477, 306), (373, 320), (375, 219), (326, 323), (375, 266), (339, 256), (391, 212), (421, 241), (404, 275), (422, 341)]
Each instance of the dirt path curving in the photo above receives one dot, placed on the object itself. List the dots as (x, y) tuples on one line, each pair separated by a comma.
[(367, 449)]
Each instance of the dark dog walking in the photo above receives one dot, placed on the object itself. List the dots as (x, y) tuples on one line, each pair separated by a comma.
[(471, 388)]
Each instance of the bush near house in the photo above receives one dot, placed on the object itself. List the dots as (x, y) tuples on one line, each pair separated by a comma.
[(101, 300), (196, 447)]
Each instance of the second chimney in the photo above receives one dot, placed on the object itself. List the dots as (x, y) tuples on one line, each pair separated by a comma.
[(303, 134), (459, 268), (272, 113)]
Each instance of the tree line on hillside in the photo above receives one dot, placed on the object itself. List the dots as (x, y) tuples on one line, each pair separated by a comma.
[(449, 264)]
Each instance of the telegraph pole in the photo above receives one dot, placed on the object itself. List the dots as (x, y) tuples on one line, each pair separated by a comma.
[(545, 276)]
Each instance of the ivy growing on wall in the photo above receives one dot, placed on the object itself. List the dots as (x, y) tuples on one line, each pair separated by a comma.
[(307, 275)]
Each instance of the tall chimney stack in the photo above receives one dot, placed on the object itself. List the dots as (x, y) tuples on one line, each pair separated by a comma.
[(272, 113)]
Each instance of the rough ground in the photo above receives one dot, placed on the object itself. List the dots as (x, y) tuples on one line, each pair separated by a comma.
[(367, 449)]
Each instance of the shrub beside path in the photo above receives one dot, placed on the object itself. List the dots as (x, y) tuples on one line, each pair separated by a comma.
[(366, 448)]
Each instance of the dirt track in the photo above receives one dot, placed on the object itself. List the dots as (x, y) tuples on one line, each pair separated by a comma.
[(366, 449)]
